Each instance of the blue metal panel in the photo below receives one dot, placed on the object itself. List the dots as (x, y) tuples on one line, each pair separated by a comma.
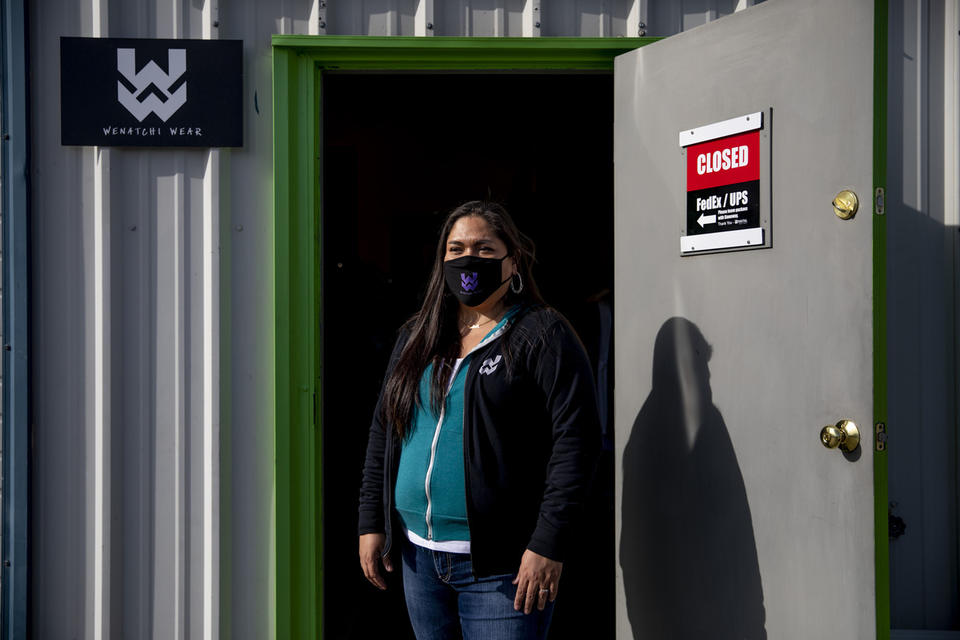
[(16, 451)]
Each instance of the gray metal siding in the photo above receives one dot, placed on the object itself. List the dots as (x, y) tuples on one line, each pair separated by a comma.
[(15, 327), (506, 18), (922, 270), (119, 294), (514, 18), (126, 390)]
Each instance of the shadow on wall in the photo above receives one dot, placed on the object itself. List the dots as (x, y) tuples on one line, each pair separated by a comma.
[(687, 549)]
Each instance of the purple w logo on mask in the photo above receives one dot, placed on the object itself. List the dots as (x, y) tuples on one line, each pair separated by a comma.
[(473, 279), (468, 281)]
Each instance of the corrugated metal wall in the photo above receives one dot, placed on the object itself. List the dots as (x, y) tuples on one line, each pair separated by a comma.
[(580, 18), (126, 372), (923, 220), (14, 143), (152, 501)]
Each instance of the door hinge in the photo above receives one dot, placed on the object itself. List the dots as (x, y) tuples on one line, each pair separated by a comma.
[(881, 436), (879, 201)]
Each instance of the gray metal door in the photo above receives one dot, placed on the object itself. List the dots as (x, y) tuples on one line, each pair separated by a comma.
[(734, 520)]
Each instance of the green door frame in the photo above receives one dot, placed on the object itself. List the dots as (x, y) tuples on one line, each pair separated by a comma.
[(298, 66), (880, 487)]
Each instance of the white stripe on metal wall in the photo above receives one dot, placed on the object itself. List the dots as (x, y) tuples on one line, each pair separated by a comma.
[(101, 373), (951, 116), (636, 16), (314, 27), (101, 392), (211, 369), (423, 20), (211, 378), (531, 19)]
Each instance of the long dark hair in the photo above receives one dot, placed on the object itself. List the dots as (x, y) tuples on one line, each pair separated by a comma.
[(434, 336)]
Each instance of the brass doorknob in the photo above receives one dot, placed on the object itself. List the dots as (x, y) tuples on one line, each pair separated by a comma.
[(844, 435), (845, 205)]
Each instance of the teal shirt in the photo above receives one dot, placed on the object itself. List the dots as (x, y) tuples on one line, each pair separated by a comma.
[(430, 493)]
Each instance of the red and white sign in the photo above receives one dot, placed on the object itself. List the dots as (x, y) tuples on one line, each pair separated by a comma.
[(729, 160), (723, 168)]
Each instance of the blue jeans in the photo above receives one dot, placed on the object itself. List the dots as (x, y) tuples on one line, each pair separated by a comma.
[(446, 602)]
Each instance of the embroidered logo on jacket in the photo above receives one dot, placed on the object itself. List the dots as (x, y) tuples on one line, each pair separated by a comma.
[(489, 365)]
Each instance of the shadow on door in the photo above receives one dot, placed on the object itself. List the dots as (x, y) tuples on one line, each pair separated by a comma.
[(687, 548)]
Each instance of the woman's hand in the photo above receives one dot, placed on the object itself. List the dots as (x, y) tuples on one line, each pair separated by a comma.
[(537, 580), (371, 549)]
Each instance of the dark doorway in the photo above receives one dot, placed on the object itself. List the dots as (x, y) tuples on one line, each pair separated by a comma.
[(399, 152)]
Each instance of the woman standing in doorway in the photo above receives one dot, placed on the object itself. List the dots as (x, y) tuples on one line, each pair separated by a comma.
[(482, 444)]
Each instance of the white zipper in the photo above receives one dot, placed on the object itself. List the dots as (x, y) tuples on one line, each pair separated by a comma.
[(433, 449), (436, 433)]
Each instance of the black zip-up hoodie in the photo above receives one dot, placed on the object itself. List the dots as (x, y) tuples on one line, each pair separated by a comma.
[(530, 437)]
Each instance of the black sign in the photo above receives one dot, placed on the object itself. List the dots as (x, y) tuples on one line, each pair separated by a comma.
[(151, 93), (724, 208)]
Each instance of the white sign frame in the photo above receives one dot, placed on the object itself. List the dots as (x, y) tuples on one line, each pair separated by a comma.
[(741, 239)]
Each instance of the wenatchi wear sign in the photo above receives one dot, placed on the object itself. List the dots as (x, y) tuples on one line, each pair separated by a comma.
[(157, 93)]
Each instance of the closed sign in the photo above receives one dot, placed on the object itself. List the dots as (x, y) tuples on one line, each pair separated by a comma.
[(723, 184), (723, 168)]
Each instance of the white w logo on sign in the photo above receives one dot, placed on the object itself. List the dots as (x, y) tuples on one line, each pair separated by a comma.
[(152, 86)]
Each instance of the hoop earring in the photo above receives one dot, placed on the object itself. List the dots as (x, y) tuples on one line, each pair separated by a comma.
[(516, 288)]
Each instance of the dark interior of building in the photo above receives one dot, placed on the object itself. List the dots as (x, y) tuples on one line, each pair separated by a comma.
[(399, 152)]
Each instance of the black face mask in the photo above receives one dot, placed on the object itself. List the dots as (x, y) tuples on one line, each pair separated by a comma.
[(473, 279)]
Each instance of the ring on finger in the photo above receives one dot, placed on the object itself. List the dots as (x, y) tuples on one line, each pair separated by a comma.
[(544, 590)]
